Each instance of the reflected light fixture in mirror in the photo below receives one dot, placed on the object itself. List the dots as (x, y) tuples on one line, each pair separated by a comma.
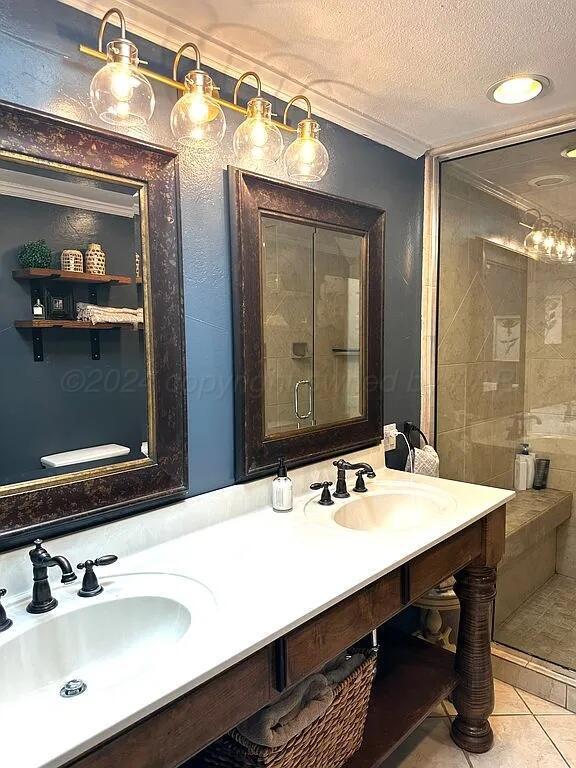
[(119, 93), (257, 139), (197, 119), (306, 159), (534, 240)]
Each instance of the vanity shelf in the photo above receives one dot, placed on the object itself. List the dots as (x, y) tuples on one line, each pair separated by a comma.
[(39, 326), (71, 277), (74, 324), (413, 676)]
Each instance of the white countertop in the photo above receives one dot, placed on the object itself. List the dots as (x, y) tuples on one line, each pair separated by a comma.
[(268, 573)]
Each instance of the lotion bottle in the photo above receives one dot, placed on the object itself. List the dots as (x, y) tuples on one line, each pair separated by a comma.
[(282, 490)]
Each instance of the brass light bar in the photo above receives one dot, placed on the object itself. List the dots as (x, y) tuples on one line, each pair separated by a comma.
[(149, 73)]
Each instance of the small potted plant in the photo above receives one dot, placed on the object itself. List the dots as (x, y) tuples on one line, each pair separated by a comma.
[(35, 255)]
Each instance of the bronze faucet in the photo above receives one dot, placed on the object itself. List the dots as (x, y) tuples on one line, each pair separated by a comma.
[(42, 600)]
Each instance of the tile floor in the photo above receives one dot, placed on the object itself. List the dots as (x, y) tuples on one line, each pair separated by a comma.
[(528, 733), (545, 625)]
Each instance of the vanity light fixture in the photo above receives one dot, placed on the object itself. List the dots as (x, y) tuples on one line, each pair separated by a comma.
[(119, 93), (197, 117), (257, 139), (518, 89), (306, 159)]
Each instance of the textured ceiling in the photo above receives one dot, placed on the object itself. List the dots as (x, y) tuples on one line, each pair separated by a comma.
[(510, 169), (411, 74)]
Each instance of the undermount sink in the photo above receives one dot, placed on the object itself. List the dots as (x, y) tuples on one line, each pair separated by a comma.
[(386, 507), (102, 641)]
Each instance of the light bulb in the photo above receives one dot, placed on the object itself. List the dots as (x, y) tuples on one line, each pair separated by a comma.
[(549, 241), (121, 85), (517, 90), (119, 93), (257, 139), (307, 159), (197, 118)]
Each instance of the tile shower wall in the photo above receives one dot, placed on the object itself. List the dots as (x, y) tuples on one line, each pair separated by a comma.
[(43, 69), (337, 320), (482, 290), (550, 392), (288, 304)]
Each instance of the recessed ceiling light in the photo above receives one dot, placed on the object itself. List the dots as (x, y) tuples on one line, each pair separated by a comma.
[(553, 180), (569, 152), (516, 90)]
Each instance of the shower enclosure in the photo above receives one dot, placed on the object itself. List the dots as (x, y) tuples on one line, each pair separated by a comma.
[(312, 324), (506, 369)]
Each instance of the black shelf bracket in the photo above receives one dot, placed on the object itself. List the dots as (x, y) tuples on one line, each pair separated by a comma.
[(37, 345), (95, 344)]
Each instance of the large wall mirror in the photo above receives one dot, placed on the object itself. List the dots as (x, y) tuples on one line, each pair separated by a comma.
[(91, 405), (308, 286)]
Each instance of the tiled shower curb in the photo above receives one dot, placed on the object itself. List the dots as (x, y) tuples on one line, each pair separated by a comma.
[(541, 678)]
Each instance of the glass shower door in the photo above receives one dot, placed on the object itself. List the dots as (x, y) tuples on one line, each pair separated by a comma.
[(288, 317)]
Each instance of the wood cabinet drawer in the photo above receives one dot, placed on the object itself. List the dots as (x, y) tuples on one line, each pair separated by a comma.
[(321, 639), (429, 568), (170, 736)]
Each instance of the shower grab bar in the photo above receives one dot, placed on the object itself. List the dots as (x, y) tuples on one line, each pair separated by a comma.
[(297, 399)]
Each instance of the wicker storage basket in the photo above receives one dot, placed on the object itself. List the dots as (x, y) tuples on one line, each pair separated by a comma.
[(327, 743)]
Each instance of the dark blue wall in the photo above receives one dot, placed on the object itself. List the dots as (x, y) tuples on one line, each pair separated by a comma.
[(42, 68)]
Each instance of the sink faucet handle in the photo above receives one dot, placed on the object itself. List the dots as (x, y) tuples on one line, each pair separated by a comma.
[(325, 498), (5, 622), (106, 560), (360, 486), (90, 586)]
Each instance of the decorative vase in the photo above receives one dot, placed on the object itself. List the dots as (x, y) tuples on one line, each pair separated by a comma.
[(72, 261), (95, 259)]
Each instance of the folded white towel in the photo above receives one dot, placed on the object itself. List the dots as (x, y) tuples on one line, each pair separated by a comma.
[(92, 313)]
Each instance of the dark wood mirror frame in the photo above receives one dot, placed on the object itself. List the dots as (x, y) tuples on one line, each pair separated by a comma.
[(62, 507), (250, 197)]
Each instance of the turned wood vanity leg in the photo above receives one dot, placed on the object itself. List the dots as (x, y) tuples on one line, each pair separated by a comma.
[(474, 696)]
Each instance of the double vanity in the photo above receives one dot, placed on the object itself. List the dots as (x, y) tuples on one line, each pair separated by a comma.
[(190, 637), (194, 612)]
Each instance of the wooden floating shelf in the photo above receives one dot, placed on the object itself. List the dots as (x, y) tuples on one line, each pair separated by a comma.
[(71, 277), (74, 324), (413, 676)]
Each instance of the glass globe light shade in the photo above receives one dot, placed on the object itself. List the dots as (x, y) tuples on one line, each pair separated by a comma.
[(197, 119), (534, 240), (119, 93), (307, 159), (257, 139)]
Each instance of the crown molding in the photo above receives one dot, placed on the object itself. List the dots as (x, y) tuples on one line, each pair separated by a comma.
[(502, 194), (47, 190), (230, 61)]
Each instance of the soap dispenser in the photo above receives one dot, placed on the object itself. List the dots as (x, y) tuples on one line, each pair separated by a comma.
[(522, 469), (282, 489), (531, 462)]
